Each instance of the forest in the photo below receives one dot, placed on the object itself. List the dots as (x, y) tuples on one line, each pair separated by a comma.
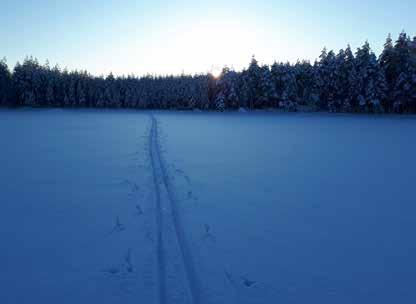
[(347, 81)]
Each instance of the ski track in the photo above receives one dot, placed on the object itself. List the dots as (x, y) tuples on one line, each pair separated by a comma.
[(184, 250), (161, 267)]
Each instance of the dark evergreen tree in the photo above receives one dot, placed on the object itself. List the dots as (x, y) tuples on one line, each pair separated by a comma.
[(305, 84), (326, 80), (6, 88), (253, 78), (371, 83), (341, 82), (285, 84)]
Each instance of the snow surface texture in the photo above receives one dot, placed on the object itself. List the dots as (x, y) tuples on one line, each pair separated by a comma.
[(141, 207)]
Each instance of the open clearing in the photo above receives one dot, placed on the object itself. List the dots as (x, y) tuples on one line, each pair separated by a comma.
[(170, 207)]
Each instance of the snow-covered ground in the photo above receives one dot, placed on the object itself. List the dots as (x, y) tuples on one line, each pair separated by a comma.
[(168, 207)]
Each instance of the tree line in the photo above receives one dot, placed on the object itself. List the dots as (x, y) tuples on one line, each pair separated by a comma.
[(346, 81)]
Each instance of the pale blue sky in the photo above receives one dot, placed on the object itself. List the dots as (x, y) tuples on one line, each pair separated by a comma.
[(174, 36)]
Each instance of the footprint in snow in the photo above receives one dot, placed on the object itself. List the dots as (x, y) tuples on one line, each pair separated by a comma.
[(125, 267), (190, 196), (111, 271), (139, 210), (229, 277), (248, 283), (208, 235), (135, 187), (127, 261), (125, 182), (118, 227), (149, 236)]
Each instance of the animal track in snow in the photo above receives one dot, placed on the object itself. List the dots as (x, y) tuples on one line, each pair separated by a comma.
[(126, 266), (118, 227), (208, 235), (139, 210), (248, 283), (230, 278), (127, 261), (111, 270), (134, 186), (186, 177)]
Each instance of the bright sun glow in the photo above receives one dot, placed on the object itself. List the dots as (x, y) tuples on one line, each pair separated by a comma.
[(203, 47), (197, 46), (216, 71)]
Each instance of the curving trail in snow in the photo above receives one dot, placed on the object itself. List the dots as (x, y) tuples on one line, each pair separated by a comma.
[(176, 271)]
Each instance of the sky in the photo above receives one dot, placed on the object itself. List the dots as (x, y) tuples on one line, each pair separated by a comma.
[(173, 37)]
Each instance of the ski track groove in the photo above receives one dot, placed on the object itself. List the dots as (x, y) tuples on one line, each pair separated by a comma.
[(185, 253), (160, 251)]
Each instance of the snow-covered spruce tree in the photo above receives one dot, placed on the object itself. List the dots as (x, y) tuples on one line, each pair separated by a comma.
[(267, 91), (220, 102), (288, 99), (344, 82), (284, 77), (72, 102), (404, 90), (5, 84), (339, 82), (110, 92), (336, 101), (50, 94), (99, 94), (51, 83), (243, 89), (412, 75), (372, 86), (130, 100), (326, 79), (25, 79), (305, 85), (387, 63), (202, 97), (82, 98), (348, 81), (226, 85), (253, 77), (404, 85), (398, 63)]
